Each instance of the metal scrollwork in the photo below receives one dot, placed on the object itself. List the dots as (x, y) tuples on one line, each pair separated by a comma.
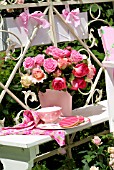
[(12, 1), (33, 98), (92, 39), (11, 46), (99, 11)]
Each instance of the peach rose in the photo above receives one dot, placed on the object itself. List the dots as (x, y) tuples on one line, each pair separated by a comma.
[(38, 74), (57, 73), (62, 63), (92, 71)]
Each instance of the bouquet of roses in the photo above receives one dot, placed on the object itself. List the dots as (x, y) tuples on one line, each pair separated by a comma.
[(58, 69)]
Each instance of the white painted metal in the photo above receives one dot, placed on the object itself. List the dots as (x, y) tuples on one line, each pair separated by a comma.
[(109, 76), (71, 2)]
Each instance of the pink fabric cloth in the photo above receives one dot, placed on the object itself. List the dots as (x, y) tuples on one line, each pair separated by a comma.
[(29, 127)]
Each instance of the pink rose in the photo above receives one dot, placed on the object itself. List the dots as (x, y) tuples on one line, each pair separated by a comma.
[(57, 52), (76, 56), (92, 71), (63, 63), (53, 51), (80, 70), (39, 59), (59, 83), (50, 65), (78, 83), (38, 74), (50, 50), (28, 63), (67, 53), (69, 48), (96, 140)]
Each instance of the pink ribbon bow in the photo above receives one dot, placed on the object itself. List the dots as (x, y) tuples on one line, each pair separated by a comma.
[(37, 15), (71, 17)]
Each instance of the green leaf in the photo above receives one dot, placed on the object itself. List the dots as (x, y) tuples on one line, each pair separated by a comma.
[(94, 8), (86, 167), (109, 12), (82, 152), (88, 158), (69, 85), (98, 54), (6, 112), (71, 77), (16, 88)]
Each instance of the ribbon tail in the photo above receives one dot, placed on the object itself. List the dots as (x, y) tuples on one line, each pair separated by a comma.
[(45, 23), (41, 22), (77, 23), (24, 19)]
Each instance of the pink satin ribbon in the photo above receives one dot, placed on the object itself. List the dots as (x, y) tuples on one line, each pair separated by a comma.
[(71, 17), (37, 15)]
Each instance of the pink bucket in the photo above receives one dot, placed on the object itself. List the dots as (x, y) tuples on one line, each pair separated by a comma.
[(57, 98)]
